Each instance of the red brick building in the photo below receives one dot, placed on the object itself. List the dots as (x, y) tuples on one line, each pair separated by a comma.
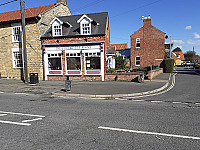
[(178, 56), (75, 46), (147, 46)]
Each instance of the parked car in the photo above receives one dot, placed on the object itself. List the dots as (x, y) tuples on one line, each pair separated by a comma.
[(187, 63)]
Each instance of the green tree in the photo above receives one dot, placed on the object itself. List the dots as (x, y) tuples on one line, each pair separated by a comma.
[(120, 63), (189, 55)]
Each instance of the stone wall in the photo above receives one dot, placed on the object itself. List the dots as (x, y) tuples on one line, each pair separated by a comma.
[(34, 29)]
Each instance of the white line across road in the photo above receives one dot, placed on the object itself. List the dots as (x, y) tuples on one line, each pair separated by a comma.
[(150, 133), (22, 123), (15, 123)]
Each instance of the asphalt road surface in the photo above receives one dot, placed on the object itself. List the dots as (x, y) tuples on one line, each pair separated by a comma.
[(170, 121)]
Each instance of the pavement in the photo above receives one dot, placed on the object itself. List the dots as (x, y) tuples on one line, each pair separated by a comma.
[(87, 88)]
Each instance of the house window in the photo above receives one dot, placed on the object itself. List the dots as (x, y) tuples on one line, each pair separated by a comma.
[(16, 34), (54, 61), (57, 30), (178, 56), (93, 61), (17, 58), (86, 28), (138, 43), (137, 61), (73, 61)]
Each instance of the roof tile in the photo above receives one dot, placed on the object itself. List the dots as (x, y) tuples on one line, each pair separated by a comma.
[(30, 12)]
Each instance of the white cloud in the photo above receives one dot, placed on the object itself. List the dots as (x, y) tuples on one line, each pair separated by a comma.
[(178, 46), (196, 35), (188, 27), (191, 42), (178, 41)]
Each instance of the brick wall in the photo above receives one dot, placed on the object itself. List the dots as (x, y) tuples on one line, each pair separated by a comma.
[(131, 76), (152, 74), (152, 45)]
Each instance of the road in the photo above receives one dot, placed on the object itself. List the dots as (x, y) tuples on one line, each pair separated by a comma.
[(169, 121)]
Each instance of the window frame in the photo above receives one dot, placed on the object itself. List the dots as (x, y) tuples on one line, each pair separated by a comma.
[(75, 54), (137, 60), (84, 22), (90, 55), (14, 35), (137, 41), (19, 51), (56, 55)]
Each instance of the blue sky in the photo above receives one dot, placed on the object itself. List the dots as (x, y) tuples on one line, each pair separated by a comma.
[(179, 19)]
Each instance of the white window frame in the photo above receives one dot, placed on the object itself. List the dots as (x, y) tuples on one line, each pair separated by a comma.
[(137, 41), (178, 56), (92, 54), (136, 60), (75, 54), (16, 61), (16, 35), (55, 55), (56, 27), (85, 27)]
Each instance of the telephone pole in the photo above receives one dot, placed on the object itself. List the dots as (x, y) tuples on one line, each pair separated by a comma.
[(24, 41)]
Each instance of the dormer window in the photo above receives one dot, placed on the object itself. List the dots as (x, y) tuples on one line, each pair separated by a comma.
[(85, 25), (86, 28), (57, 30), (56, 27)]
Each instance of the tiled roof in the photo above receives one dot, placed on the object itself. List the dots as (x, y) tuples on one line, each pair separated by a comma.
[(119, 46), (178, 53), (31, 12), (98, 26)]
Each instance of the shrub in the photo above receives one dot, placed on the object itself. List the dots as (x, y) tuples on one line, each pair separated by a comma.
[(168, 65)]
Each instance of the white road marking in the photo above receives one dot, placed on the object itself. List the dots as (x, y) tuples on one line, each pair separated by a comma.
[(22, 114), (3, 115), (15, 123), (156, 101), (32, 120), (1, 92), (150, 133), (176, 102), (138, 100), (20, 93)]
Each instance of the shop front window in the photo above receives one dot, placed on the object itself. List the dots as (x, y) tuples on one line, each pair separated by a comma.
[(93, 61), (73, 61), (54, 61)]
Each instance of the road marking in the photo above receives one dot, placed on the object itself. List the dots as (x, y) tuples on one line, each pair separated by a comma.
[(1, 92), (32, 120), (3, 115), (176, 102), (15, 123), (20, 93), (22, 114), (150, 133), (156, 101)]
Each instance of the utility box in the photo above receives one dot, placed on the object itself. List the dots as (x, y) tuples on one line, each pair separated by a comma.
[(68, 85), (33, 78)]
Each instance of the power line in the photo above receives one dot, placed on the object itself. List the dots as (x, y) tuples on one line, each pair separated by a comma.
[(89, 5), (137, 8), (8, 2)]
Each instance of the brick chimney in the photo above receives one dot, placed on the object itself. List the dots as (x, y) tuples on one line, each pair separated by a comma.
[(62, 1), (147, 21)]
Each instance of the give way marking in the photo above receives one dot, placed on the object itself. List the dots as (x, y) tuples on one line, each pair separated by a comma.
[(23, 122), (150, 133)]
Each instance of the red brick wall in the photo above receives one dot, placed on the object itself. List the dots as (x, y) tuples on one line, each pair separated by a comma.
[(121, 76), (154, 73), (152, 45)]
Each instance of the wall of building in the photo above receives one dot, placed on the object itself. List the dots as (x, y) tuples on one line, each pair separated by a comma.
[(34, 48), (152, 46)]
